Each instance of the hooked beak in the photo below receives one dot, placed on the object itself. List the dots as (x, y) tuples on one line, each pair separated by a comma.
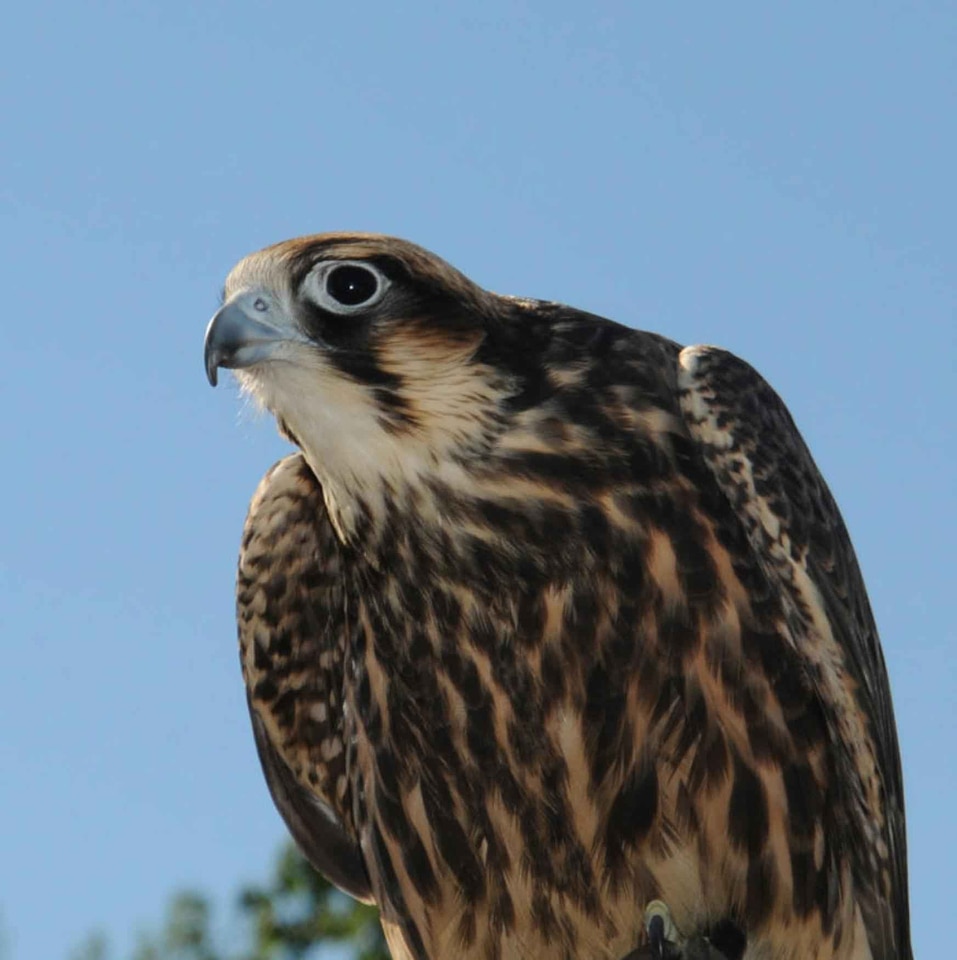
[(241, 334), (244, 332)]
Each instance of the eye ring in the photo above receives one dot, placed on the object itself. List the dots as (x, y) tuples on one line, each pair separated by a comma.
[(346, 286)]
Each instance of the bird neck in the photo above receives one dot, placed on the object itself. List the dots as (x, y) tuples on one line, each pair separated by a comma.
[(366, 495)]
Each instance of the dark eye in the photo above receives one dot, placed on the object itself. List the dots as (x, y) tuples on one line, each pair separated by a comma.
[(346, 286), (351, 285)]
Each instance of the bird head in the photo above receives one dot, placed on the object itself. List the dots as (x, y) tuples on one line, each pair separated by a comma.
[(372, 354)]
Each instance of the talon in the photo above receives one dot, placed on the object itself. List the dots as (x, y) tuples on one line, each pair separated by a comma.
[(660, 928), (656, 934)]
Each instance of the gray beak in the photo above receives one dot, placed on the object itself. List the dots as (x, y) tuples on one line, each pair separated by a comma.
[(237, 338)]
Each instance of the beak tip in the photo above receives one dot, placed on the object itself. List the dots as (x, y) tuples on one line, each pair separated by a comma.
[(211, 361)]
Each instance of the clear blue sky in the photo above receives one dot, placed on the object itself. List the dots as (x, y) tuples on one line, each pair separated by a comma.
[(775, 178)]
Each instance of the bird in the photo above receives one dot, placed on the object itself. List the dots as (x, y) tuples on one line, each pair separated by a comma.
[(554, 640)]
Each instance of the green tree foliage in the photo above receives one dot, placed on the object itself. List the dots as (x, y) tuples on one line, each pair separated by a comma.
[(300, 909), (292, 917)]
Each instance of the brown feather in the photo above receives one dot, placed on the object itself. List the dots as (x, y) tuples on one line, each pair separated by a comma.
[(513, 620)]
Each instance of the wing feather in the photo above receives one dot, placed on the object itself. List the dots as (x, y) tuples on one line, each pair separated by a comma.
[(751, 445), (291, 611)]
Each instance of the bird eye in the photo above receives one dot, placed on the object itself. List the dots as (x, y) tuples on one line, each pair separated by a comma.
[(347, 286), (351, 285)]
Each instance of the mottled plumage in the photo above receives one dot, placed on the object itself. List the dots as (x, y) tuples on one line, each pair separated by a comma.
[(549, 619)]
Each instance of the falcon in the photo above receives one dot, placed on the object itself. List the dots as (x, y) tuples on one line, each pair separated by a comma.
[(554, 641)]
